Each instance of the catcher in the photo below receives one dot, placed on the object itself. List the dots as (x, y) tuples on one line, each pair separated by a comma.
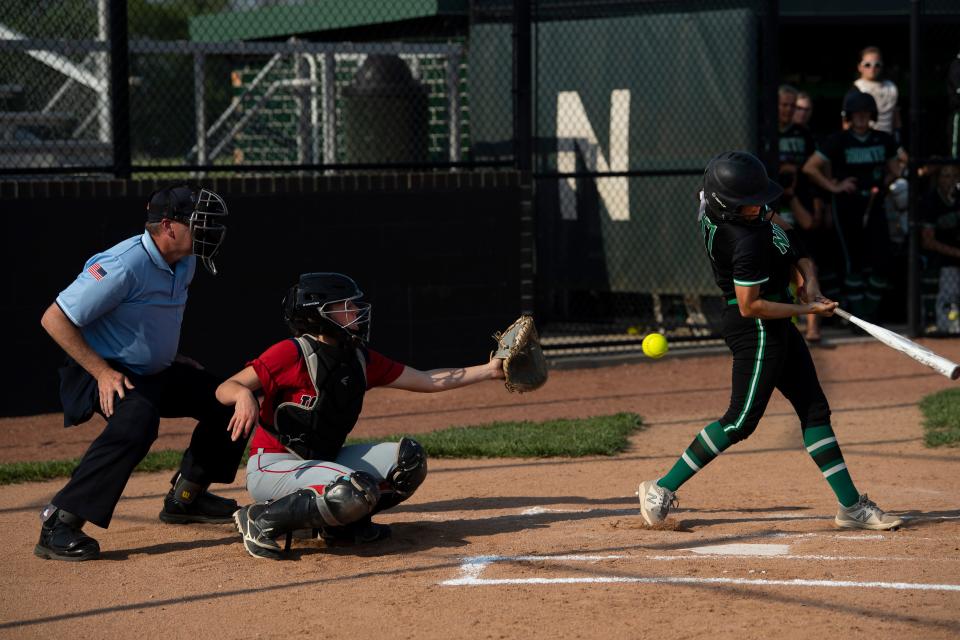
[(299, 472)]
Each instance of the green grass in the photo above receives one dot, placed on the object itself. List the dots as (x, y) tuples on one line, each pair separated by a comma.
[(15, 472), (597, 436), (941, 412)]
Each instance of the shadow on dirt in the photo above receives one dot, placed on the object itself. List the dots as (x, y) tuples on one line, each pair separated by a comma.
[(922, 519), (169, 547), (258, 590)]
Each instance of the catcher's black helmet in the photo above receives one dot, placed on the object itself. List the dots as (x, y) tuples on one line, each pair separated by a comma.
[(327, 303), (856, 101), (736, 179)]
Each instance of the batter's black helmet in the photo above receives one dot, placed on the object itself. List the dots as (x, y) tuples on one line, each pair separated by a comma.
[(737, 179), (318, 303), (856, 101)]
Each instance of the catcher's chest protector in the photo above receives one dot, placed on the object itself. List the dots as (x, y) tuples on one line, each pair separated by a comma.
[(316, 428)]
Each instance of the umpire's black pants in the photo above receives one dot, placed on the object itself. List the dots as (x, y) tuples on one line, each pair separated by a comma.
[(179, 391), (768, 355)]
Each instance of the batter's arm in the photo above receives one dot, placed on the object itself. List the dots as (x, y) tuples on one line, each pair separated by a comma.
[(445, 379), (809, 284), (751, 305), (110, 382)]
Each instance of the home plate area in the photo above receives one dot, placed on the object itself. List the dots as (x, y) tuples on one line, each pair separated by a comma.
[(779, 563)]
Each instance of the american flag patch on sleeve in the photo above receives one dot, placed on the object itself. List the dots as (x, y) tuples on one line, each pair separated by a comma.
[(98, 272)]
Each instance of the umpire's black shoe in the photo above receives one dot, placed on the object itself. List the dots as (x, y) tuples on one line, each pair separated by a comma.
[(62, 539), (363, 531), (206, 507)]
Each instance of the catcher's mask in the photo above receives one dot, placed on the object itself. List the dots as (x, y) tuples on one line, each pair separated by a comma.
[(200, 209), (737, 179), (327, 303)]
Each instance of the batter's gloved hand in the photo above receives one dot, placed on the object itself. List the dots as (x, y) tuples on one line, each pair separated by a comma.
[(524, 366)]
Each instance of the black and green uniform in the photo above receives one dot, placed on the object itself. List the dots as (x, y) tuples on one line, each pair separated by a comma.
[(863, 234), (767, 354)]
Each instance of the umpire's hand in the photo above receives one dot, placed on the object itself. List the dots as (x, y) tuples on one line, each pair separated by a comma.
[(111, 383)]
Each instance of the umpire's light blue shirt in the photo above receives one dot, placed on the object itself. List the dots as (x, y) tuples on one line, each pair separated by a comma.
[(128, 303)]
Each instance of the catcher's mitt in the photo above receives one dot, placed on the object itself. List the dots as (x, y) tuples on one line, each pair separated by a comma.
[(524, 366)]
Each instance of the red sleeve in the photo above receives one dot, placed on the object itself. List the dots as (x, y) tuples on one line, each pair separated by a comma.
[(381, 370), (276, 367)]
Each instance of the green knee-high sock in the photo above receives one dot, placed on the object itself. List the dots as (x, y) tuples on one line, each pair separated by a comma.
[(822, 445), (709, 443)]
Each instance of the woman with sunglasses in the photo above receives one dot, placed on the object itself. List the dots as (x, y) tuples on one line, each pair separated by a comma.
[(883, 91)]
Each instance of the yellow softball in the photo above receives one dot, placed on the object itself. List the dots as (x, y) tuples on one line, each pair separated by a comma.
[(655, 345)]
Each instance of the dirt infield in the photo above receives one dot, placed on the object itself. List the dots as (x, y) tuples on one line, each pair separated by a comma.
[(545, 548)]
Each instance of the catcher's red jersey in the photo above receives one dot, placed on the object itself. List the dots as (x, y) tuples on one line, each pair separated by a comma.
[(283, 376)]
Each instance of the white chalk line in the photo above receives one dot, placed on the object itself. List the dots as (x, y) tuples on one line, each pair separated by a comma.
[(471, 569), (789, 556), (535, 511)]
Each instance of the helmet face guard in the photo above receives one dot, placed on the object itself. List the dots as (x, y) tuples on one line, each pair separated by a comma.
[(328, 303), (339, 312), (207, 228), (200, 209)]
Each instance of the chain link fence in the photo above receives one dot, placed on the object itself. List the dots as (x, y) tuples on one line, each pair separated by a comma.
[(612, 106), (936, 167), (237, 85), (631, 100)]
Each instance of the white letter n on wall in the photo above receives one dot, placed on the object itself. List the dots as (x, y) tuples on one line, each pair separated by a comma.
[(574, 132)]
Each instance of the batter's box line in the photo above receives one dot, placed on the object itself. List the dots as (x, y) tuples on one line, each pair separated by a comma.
[(473, 567)]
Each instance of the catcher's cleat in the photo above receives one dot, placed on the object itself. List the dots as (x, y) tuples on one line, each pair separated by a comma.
[(188, 502), (62, 539), (866, 515), (655, 501), (254, 541), (364, 531)]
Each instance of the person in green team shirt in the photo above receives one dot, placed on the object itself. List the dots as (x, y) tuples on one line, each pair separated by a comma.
[(856, 166), (755, 255)]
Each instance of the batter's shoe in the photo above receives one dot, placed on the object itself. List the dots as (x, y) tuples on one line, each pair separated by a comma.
[(188, 502), (255, 542), (363, 531), (62, 539), (655, 501), (866, 515)]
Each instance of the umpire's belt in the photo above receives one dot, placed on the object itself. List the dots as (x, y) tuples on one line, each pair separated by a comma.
[(772, 297)]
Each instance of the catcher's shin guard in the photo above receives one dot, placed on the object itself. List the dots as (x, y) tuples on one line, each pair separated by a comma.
[(408, 473), (345, 500)]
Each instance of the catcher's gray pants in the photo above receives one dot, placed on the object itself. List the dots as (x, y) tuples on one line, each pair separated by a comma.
[(948, 294), (274, 475)]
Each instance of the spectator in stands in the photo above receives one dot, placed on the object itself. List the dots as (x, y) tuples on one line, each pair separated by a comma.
[(803, 109), (856, 166), (953, 96), (940, 211), (884, 92), (798, 204), (795, 146)]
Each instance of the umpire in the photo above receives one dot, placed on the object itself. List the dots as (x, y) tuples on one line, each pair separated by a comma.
[(119, 323)]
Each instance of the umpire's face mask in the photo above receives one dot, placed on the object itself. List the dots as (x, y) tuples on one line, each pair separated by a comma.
[(207, 228)]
